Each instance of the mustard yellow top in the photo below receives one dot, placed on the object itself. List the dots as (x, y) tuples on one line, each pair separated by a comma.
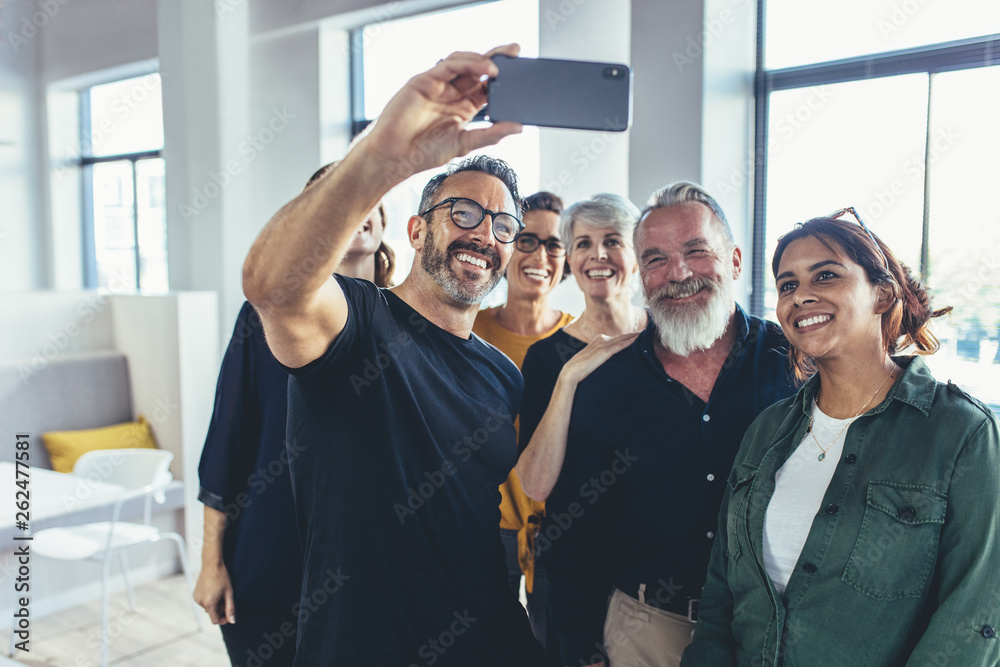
[(515, 506)]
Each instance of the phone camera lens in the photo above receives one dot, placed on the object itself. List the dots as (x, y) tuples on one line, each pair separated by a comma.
[(614, 73)]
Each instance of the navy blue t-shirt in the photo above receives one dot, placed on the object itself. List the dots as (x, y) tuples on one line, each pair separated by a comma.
[(406, 433), (244, 470)]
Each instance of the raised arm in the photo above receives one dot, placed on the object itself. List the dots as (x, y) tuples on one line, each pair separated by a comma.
[(540, 463), (287, 274)]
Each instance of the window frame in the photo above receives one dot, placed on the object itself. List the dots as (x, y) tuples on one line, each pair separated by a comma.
[(86, 162), (964, 54)]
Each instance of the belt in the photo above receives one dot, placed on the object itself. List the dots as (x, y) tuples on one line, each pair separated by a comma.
[(664, 597)]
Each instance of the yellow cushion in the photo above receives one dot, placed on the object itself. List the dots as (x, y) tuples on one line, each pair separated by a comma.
[(65, 447)]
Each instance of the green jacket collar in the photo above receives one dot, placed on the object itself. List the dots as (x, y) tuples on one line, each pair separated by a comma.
[(915, 387)]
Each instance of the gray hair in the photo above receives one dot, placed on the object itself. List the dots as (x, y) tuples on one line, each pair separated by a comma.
[(682, 192), (604, 211)]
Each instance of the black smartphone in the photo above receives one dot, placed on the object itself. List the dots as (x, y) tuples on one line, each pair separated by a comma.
[(574, 94)]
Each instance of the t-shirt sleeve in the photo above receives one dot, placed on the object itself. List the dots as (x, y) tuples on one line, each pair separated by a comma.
[(362, 297), (540, 370), (224, 454)]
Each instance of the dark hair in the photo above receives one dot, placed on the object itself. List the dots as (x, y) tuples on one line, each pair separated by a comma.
[(385, 257), (907, 320), (481, 163), (543, 201), (546, 201)]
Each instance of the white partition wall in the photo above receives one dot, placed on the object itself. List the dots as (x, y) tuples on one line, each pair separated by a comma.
[(171, 344)]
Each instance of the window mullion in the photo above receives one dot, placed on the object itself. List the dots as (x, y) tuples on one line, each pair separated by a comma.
[(135, 225), (925, 235)]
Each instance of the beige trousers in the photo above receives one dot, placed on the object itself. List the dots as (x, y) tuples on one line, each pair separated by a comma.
[(640, 635)]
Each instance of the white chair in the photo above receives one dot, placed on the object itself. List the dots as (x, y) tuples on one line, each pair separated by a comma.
[(144, 473)]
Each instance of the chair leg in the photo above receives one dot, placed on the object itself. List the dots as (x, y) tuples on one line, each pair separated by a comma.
[(123, 562), (182, 548), (105, 641)]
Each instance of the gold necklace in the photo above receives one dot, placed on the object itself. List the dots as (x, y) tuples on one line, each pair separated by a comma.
[(809, 428)]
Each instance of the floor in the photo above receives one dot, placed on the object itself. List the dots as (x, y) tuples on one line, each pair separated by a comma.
[(160, 632)]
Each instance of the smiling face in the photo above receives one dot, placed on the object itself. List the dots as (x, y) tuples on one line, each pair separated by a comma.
[(535, 274), (826, 305), (466, 263), (688, 266), (602, 261)]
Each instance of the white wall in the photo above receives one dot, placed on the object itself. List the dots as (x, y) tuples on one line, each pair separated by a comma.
[(241, 70), (22, 238)]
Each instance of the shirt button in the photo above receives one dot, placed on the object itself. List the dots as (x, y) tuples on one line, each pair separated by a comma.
[(709, 534), (832, 509), (809, 568), (988, 632), (907, 513), (850, 458), (710, 477), (705, 418)]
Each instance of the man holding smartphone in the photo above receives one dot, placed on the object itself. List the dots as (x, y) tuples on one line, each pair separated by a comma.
[(402, 419)]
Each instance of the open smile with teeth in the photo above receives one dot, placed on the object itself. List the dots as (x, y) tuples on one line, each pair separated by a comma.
[(536, 274), (469, 259), (600, 273), (817, 319), (685, 292)]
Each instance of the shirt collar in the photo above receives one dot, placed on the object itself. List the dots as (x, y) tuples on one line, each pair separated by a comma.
[(916, 387)]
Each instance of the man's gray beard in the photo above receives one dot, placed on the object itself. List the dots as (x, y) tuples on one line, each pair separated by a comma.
[(685, 328), (435, 263)]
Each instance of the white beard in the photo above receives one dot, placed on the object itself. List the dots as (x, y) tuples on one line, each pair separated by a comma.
[(685, 328)]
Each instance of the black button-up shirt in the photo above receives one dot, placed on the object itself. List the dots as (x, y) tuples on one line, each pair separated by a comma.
[(638, 497)]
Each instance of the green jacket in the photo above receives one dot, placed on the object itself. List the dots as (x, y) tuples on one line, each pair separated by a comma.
[(902, 564)]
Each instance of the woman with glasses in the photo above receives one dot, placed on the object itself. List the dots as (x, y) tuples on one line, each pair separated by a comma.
[(535, 269), (251, 562), (598, 233), (861, 523)]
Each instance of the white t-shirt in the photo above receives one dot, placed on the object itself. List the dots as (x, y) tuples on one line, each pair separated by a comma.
[(799, 487)]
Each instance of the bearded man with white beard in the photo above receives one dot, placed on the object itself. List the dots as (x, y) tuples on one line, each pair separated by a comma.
[(653, 435)]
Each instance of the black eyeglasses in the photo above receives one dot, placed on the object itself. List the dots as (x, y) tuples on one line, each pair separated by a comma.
[(468, 214), (528, 243), (850, 209)]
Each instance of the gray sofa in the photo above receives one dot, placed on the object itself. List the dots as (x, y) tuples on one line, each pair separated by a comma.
[(68, 392)]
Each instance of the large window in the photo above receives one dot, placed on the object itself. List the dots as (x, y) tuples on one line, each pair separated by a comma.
[(125, 244), (378, 72), (901, 124)]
